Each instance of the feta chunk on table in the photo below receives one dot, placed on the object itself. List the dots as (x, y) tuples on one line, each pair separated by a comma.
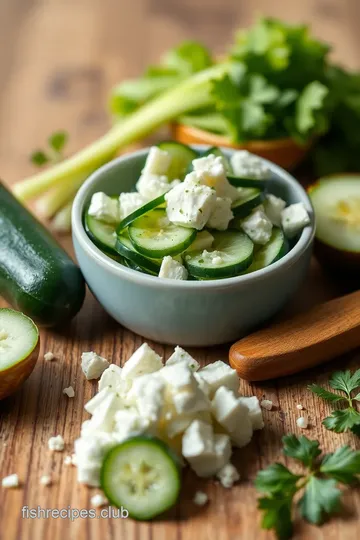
[(219, 374), (190, 204), (179, 355), (255, 412), (144, 360), (129, 202), (172, 269), (56, 444), (228, 475), (151, 186), (232, 415), (157, 162), (147, 393), (258, 227), (247, 165), (93, 365), (221, 215), (110, 377), (294, 218), (104, 208), (273, 208), (11, 481), (183, 388)]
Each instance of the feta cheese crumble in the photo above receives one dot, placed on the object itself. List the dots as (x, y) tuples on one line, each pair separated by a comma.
[(157, 162), (129, 202), (69, 391), (172, 269), (247, 165), (266, 404), (151, 186), (294, 218), (11, 481), (299, 407), (49, 356), (93, 365), (258, 227), (104, 208), (221, 215), (68, 460), (98, 500), (144, 360), (273, 208), (45, 480), (200, 498), (228, 475), (56, 444), (210, 171), (302, 422)]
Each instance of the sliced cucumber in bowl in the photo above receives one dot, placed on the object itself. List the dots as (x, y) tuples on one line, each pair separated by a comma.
[(154, 236), (181, 158), (135, 259), (249, 198), (19, 349), (143, 475), (140, 212), (274, 250), (102, 234), (231, 254)]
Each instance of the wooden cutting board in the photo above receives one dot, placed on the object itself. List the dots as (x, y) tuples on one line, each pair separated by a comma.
[(58, 61)]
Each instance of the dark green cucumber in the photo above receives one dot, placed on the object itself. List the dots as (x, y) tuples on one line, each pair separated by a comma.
[(37, 277)]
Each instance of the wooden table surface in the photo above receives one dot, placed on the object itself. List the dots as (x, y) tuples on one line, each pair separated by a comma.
[(58, 60)]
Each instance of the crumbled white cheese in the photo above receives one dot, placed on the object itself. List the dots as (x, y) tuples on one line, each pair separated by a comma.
[(147, 393), (273, 208), (302, 422), (190, 204), (294, 218), (45, 480), (219, 374), (200, 498), (98, 500), (151, 186), (172, 269), (299, 406), (198, 448), (129, 202), (232, 415), (69, 391), (11, 481), (179, 355), (253, 406), (157, 162), (68, 460), (111, 377), (247, 165), (221, 215), (144, 360), (212, 257), (228, 475), (258, 227), (203, 240), (56, 444), (93, 365), (49, 356), (266, 404), (104, 208), (210, 171)]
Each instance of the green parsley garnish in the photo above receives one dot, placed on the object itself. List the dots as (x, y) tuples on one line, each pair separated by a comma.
[(317, 486), (346, 419)]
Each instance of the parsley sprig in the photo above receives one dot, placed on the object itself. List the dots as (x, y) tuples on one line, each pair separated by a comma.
[(342, 419), (54, 153), (317, 487)]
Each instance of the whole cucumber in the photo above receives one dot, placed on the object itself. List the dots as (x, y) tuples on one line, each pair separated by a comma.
[(37, 277)]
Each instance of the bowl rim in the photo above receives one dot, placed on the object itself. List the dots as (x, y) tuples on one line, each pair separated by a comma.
[(78, 232)]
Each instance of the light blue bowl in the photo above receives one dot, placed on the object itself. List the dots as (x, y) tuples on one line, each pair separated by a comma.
[(188, 313)]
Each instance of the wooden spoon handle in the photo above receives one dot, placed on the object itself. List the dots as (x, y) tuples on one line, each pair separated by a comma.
[(324, 332)]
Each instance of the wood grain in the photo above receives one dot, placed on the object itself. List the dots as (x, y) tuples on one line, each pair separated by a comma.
[(306, 340), (58, 60)]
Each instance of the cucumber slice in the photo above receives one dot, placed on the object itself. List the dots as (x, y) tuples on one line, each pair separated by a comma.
[(18, 338), (249, 199), (127, 250), (154, 236), (216, 151), (181, 158), (143, 475), (102, 234), (234, 250), (276, 248), (246, 182), (336, 202), (140, 212)]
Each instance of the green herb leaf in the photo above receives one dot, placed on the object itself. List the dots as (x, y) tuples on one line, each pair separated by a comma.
[(342, 420), (277, 515), (301, 448), (189, 57), (260, 91), (357, 397), (342, 380), (276, 479), (39, 158), (310, 103), (343, 465), (58, 140), (320, 499), (325, 394)]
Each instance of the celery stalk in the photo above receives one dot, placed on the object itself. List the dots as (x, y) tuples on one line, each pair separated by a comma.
[(58, 196), (188, 95)]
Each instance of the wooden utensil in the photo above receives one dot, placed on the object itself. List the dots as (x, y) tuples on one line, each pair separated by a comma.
[(306, 340)]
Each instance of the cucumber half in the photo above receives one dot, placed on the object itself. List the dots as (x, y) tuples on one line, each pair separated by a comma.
[(336, 201), (154, 236), (234, 252), (127, 250), (19, 349), (181, 158), (276, 248), (143, 475), (139, 212), (249, 199)]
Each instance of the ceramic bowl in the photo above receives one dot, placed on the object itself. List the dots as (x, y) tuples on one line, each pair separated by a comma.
[(188, 313)]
